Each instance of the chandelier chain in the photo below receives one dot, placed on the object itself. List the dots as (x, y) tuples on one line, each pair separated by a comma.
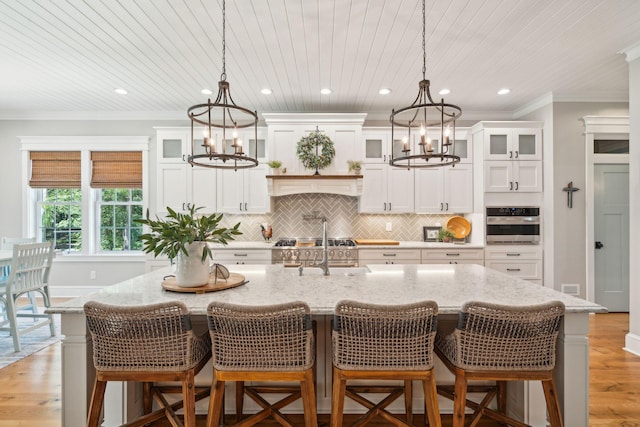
[(424, 44), (223, 76)]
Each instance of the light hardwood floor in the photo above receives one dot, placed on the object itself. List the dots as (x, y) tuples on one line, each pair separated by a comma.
[(30, 388)]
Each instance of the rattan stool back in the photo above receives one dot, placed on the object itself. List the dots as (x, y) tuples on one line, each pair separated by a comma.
[(384, 342), (262, 343), (502, 343), (147, 344)]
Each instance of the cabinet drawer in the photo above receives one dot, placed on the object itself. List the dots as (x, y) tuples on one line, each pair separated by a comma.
[(246, 255), (389, 255), (531, 269), (452, 254), (513, 253)]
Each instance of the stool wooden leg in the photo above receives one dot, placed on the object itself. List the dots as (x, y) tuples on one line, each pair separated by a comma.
[(309, 399), (432, 409), (502, 396), (337, 398), (460, 398), (215, 402), (553, 406), (189, 399), (239, 400), (96, 403), (147, 397), (408, 400)]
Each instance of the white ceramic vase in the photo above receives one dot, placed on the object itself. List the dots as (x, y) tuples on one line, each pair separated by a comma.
[(190, 270)]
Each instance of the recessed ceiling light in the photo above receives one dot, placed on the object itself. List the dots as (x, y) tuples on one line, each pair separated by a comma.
[(384, 91), (325, 91), (206, 91), (266, 91), (444, 92), (504, 91), (120, 91)]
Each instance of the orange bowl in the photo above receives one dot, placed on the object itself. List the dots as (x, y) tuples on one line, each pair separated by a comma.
[(459, 226)]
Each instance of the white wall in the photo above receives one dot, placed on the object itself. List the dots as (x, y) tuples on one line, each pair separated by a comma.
[(565, 142), (633, 337)]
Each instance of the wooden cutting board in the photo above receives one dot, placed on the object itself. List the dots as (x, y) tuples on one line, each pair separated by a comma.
[(235, 279), (376, 242)]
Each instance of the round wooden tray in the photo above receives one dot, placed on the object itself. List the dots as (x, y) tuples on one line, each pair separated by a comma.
[(235, 279)]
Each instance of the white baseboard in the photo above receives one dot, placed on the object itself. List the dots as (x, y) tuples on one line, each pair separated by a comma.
[(632, 343)]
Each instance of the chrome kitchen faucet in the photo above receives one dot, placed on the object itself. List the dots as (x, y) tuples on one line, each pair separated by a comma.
[(324, 263)]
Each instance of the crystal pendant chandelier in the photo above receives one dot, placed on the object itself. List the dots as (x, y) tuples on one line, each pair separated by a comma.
[(219, 121), (422, 119)]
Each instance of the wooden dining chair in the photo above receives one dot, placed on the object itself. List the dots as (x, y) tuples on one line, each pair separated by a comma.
[(28, 273), (493, 342), (267, 344), (6, 244), (383, 343), (147, 344)]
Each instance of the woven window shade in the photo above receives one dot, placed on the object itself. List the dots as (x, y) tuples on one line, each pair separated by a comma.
[(55, 169), (116, 169)]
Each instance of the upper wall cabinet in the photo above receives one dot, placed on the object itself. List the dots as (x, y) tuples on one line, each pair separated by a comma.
[(376, 147), (513, 144), (285, 130)]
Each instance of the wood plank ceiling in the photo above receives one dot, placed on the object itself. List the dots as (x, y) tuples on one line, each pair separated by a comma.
[(67, 56)]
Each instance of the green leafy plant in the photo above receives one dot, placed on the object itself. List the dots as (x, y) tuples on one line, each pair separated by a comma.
[(172, 235), (444, 235), (354, 165), (274, 164)]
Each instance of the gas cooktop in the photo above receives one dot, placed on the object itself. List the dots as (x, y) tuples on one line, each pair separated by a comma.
[(314, 241)]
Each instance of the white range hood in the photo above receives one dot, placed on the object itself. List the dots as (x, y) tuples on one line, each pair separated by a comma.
[(285, 185)]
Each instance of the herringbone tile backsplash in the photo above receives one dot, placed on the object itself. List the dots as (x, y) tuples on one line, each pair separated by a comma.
[(288, 212)]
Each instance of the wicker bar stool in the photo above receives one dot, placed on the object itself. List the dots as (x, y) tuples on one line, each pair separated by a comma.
[(379, 342), (272, 343), (501, 343), (147, 344)]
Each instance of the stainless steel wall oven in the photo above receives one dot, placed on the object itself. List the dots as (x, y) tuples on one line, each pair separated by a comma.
[(513, 225)]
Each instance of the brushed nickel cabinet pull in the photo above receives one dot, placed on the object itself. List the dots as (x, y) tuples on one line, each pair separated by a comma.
[(513, 269)]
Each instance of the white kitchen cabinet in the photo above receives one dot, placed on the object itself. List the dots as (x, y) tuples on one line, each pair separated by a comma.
[(447, 189), (513, 144), (243, 191), (522, 261), (180, 185), (386, 189), (454, 255), (388, 256), (462, 147), (512, 176), (230, 256), (285, 130), (377, 148)]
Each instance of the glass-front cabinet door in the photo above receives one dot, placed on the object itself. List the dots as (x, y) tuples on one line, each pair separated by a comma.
[(513, 144)]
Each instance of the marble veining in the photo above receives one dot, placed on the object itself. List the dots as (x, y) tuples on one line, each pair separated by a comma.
[(450, 285)]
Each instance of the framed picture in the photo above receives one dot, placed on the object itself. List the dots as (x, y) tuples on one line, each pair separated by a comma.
[(430, 233)]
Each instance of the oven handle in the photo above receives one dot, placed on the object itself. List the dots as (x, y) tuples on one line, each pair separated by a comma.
[(513, 220)]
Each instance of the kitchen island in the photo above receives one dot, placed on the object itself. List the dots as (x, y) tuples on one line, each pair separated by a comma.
[(450, 285)]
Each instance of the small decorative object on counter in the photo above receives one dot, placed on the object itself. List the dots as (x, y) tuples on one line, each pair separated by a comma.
[(355, 166), (445, 235), (315, 151), (267, 232), (184, 236)]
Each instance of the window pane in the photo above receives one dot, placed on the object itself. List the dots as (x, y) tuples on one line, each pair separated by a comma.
[(106, 239), (108, 195), (136, 243), (136, 195), (122, 216), (61, 218), (610, 146), (123, 195), (106, 216)]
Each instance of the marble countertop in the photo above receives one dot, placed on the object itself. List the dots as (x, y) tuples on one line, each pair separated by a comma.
[(403, 245), (450, 285)]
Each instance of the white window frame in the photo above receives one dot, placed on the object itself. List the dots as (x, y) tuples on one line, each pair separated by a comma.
[(98, 203), (84, 144)]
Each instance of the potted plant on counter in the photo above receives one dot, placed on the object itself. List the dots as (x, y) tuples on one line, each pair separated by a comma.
[(355, 166), (185, 237), (445, 235), (275, 165)]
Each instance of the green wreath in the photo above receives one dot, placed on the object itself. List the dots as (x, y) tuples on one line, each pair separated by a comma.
[(315, 151)]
